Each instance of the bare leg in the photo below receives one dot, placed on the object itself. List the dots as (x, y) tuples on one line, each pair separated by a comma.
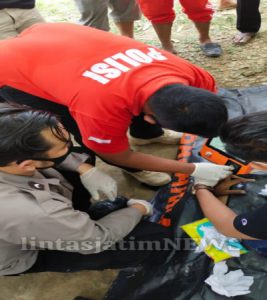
[(209, 48), (248, 21), (164, 33), (227, 4), (126, 28), (203, 30)]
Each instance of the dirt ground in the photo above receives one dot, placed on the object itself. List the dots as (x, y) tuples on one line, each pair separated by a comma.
[(238, 67)]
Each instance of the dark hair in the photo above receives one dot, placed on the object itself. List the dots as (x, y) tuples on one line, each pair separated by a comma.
[(20, 133), (189, 109), (246, 136)]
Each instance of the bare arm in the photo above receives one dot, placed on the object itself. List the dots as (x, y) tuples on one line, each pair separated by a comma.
[(148, 162), (219, 214)]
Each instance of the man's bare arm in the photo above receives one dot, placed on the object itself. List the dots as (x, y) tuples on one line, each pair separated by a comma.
[(148, 162)]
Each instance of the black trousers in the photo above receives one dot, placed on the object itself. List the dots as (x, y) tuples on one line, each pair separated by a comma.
[(60, 261), (147, 232), (248, 15), (139, 128)]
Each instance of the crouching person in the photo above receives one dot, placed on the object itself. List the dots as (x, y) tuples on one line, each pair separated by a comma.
[(42, 227), (245, 137)]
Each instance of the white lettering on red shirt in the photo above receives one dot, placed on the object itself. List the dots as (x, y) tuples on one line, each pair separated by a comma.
[(113, 67)]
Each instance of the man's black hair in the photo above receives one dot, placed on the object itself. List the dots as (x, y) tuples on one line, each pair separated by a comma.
[(246, 136), (20, 133), (189, 109)]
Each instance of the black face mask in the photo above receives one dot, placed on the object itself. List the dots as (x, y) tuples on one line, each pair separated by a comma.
[(56, 160)]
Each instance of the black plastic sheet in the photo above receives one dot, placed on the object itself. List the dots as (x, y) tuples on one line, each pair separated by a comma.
[(182, 276)]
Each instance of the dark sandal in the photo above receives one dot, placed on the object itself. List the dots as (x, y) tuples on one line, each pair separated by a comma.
[(211, 49)]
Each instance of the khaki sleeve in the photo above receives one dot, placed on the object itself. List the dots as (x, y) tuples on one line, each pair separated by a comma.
[(66, 229)]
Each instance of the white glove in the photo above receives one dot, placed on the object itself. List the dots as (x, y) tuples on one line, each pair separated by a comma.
[(229, 284), (96, 181), (146, 204), (209, 174)]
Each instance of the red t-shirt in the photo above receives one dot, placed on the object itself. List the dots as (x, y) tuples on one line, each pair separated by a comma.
[(102, 78)]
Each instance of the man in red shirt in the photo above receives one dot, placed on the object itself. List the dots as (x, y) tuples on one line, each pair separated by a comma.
[(108, 83)]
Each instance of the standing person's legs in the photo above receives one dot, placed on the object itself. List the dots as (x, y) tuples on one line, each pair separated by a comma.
[(248, 16), (161, 14), (14, 20), (248, 20), (94, 13), (7, 25), (200, 12), (25, 18), (146, 243), (226, 4), (124, 13)]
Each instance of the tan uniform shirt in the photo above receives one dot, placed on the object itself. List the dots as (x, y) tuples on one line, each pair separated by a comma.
[(36, 212)]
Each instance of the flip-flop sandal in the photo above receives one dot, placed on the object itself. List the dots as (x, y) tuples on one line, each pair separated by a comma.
[(243, 38), (211, 49)]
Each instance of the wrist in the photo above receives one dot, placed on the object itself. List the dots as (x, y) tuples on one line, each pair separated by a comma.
[(142, 209), (186, 168), (83, 168), (200, 187), (191, 168)]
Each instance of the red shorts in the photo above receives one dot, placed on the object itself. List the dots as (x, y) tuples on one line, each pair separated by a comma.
[(161, 11)]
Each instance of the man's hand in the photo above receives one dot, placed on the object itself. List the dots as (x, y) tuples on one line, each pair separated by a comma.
[(144, 206), (223, 188), (209, 174), (97, 182)]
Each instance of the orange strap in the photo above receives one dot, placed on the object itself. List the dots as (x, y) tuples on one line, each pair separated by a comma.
[(180, 182)]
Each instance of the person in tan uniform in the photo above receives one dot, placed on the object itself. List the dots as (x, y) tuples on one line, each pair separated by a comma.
[(123, 13), (42, 227), (16, 16)]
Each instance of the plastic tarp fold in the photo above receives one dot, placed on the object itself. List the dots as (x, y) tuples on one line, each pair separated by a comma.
[(182, 276)]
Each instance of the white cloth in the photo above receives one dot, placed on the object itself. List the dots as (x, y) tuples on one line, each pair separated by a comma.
[(230, 284)]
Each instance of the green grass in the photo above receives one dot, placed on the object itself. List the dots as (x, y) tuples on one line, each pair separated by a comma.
[(59, 10), (65, 10)]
